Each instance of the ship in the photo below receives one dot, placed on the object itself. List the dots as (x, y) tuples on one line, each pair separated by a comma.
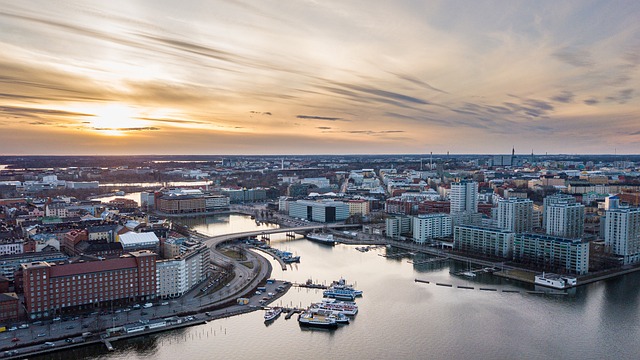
[(347, 308), (322, 238), (339, 317), (309, 319), (342, 294), (272, 314), (342, 284)]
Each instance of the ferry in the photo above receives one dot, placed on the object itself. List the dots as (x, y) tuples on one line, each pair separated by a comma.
[(339, 317), (347, 308), (322, 238), (272, 314), (342, 294), (309, 319), (555, 281), (342, 284)]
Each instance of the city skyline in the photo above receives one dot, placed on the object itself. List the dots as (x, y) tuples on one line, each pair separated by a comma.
[(307, 77)]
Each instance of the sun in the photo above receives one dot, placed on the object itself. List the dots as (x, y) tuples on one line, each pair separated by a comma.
[(115, 120)]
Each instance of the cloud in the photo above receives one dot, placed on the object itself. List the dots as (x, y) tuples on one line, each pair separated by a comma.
[(144, 128), (622, 97), (261, 113), (575, 57), (591, 101), (323, 127), (314, 117), (38, 112), (564, 97)]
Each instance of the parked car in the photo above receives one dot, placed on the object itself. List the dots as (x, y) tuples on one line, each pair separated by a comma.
[(42, 334)]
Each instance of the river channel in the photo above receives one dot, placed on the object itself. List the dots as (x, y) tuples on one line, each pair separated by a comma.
[(401, 319)]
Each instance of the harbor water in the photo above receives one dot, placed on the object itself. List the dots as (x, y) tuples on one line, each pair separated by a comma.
[(401, 319)]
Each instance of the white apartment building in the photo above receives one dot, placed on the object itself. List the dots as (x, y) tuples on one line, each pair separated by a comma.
[(181, 274), (622, 233), (431, 226), (464, 197), (565, 220), (483, 240), (515, 215)]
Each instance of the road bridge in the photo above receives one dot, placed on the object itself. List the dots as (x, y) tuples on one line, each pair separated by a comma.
[(215, 241)]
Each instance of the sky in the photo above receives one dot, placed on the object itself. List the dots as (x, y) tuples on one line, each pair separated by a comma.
[(319, 77)]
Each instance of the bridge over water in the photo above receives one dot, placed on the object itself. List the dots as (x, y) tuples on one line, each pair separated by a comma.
[(214, 241)]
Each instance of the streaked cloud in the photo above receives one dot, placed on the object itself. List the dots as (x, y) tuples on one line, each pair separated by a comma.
[(397, 77)]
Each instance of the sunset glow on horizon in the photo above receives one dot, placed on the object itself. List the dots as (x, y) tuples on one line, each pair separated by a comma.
[(319, 77)]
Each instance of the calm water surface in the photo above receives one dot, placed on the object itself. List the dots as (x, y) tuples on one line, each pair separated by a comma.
[(401, 319)]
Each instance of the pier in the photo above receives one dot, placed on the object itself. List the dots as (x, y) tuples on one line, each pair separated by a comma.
[(428, 261), (107, 343)]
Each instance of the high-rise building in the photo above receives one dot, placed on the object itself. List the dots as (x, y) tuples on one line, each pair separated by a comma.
[(515, 215), (464, 197), (431, 226), (565, 220), (555, 199), (622, 233)]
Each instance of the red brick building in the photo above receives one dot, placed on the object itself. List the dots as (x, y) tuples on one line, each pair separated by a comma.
[(9, 307), (50, 289)]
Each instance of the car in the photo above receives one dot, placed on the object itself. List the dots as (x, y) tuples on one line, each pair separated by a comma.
[(126, 309), (24, 326), (144, 313), (85, 326), (48, 344), (207, 313), (69, 327), (69, 340), (164, 303), (137, 306), (42, 334), (13, 328), (56, 319), (15, 339)]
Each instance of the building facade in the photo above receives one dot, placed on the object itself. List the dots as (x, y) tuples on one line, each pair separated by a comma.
[(177, 276), (464, 196), (515, 215), (319, 211), (482, 240), (50, 289), (565, 220), (622, 234), (552, 253), (431, 226)]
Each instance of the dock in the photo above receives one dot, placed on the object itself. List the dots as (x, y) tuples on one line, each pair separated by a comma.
[(428, 261), (397, 255), (107, 343)]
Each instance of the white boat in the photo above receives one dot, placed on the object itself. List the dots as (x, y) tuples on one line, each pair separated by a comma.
[(310, 319), (347, 308), (322, 238), (555, 281), (272, 314), (338, 316)]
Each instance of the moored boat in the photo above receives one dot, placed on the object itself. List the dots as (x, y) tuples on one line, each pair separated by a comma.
[(322, 238), (309, 319), (273, 313)]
